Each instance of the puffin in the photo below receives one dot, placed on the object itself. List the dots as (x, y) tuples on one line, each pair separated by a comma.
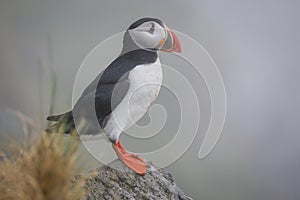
[(123, 92)]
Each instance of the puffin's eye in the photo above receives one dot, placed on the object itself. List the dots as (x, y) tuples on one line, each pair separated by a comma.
[(151, 30)]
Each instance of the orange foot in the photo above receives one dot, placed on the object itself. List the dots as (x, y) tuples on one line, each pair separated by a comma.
[(132, 161)]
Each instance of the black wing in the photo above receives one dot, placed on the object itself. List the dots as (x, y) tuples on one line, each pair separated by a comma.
[(108, 89), (104, 94), (95, 106)]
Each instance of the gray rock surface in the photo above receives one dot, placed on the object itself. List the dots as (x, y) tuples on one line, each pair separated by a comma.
[(116, 181)]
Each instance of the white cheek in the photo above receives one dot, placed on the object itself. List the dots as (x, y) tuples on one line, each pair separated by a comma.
[(160, 33), (145, 39), (157, 36)]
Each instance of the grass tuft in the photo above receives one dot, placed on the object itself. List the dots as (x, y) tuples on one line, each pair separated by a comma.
[(43, 169)]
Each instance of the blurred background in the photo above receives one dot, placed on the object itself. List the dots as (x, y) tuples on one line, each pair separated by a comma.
[(255, 44)]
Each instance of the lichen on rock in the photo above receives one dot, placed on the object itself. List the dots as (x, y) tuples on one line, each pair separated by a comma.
[(116, 181)]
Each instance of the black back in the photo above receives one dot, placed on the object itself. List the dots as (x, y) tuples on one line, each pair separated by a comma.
[(110, 86)]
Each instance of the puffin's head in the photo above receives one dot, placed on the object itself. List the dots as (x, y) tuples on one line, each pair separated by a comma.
[(153, 34)]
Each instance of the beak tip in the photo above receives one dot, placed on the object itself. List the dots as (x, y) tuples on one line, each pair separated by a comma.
[(178, 49), (176, 44)]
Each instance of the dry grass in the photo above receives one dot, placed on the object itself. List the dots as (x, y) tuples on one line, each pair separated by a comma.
[(42, 170)]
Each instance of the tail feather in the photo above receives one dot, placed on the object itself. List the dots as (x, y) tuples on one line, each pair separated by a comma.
[(59, 117), (53, 118), (64, 122)]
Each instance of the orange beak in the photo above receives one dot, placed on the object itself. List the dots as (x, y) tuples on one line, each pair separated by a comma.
[(171, 42)]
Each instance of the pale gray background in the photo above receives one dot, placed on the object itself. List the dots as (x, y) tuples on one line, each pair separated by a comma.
[(254, 43)]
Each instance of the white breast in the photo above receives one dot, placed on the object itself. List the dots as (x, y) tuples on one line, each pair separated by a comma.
[(145, 83)]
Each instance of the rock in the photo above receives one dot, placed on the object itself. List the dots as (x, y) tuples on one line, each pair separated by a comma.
[(116, 181)]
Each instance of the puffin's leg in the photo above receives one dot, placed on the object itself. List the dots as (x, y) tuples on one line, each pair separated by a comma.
[(132, 161)]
